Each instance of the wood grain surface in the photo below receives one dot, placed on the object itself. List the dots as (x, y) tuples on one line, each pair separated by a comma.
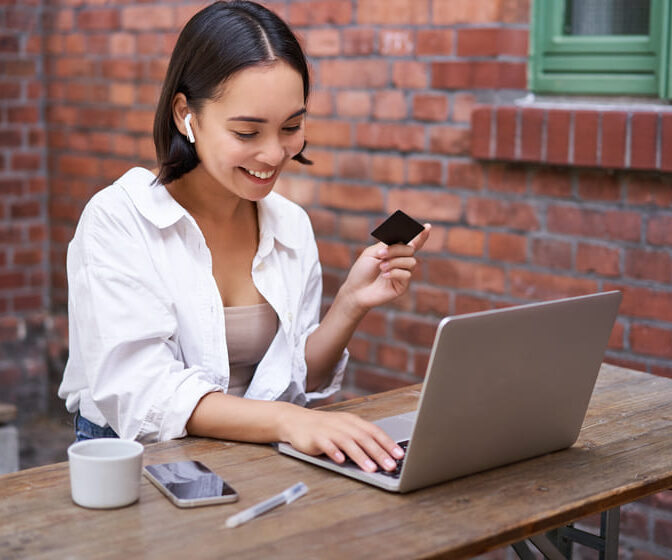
[(624, 452)]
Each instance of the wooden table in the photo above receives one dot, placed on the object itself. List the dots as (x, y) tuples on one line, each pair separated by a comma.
[(624, 452)]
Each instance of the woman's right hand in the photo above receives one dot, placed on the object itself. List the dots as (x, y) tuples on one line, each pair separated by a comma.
[(337, 434)]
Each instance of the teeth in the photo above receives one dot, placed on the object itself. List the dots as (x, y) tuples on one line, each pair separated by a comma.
[(261, 174)]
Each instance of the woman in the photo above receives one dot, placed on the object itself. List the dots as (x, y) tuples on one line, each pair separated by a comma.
[(195, 291)]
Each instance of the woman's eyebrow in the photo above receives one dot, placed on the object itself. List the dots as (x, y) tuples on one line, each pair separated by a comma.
[(259, 120)]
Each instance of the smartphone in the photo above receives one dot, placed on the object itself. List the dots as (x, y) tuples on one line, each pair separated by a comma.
[(190, 484)]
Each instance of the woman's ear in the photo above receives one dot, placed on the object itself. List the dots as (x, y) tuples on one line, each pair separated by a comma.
[(180, 112)]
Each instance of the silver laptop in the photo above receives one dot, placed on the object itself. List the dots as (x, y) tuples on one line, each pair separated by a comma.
[(501, 386)]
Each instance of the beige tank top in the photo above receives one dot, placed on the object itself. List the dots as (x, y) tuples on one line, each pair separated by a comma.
[(250, 330)]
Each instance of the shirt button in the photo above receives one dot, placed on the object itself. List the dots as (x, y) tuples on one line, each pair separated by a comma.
[(290, 316), (260, 266)]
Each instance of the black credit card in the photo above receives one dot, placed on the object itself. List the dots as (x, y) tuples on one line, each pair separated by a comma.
[(398, 228)]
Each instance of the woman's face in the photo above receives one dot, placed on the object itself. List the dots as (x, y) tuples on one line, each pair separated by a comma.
[(246, 136)]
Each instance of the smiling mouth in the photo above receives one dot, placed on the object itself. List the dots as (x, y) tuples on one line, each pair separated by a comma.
[(260, 174)]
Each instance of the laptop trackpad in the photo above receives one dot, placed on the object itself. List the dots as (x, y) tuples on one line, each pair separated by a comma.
[(399, 427)]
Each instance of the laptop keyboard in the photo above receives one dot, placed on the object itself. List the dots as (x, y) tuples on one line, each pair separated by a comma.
[(400, 462)]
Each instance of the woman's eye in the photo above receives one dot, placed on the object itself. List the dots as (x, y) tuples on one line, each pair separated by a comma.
[(291, 129), (245, 135)]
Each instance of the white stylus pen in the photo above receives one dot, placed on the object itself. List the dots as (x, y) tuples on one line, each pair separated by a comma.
[(286, 497)]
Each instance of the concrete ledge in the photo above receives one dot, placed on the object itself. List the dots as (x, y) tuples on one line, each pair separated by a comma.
[(9, 449)]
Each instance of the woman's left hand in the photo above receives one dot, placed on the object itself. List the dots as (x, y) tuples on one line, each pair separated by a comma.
[(382, 273)]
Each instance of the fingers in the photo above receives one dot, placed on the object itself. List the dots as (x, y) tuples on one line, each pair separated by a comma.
[(419, 240), (364, 443)]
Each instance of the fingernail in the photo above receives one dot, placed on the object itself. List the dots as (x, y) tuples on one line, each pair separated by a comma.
[(382, 252), (390, 464), (370, 465), (398, 452), (339, 457)]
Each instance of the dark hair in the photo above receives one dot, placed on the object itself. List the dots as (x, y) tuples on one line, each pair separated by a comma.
[(217, 42)]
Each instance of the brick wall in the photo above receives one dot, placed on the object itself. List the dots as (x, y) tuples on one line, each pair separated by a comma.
[(413, 107), (24, 258)]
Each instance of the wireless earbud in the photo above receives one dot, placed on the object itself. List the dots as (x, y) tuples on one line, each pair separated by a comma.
[(190, 133)]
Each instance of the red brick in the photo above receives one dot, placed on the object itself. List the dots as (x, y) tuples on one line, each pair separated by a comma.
[(507, 178), (557, 134), (533, 285), (599, 259), (551, 253), (98, 19), (354, 103), (463, 105), (375, 323), (396, 42), (404, 138), (433, 300), (358, 42), (353, 165), (643, 140), (643, 302), (11, 280), (389, 105), (478, 75), (392, 357), (481, 121), (507, 247), (551, 182), (616, 338), (322, 42), (9, 44), (585, 137), (148, 17), (323, 221), (360, 349), (470, 304), (414, 331), (648, 189), (375, 381), (507, 124), (531, 135), (430, 107), (410, 74), (25, 209), (613, 138), (467, 275), (659, 231), (395, 12), (622, 225), (318, 12), (425, 205), (25, 161), (492, 42), (465, 241), (355, 228), (79, 165), (450, 140), (447, 12), (301, 190), (387, 169), (351, 197), (371, 73), (599, 185), (648, 265), (434, 42), (646, 339), (334, 254), (488, 212), (328, 132), (425, 172), (465, 175), (666, 142)]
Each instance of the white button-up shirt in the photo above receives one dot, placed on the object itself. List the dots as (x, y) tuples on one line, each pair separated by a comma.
[(146, 320)]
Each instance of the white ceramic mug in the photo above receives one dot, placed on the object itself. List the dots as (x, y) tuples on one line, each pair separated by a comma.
[(106, 472)]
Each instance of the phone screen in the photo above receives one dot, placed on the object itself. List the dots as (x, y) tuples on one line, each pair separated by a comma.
[(190, 480)]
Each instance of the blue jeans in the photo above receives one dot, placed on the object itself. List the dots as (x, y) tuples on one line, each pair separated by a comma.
[(85, 429)]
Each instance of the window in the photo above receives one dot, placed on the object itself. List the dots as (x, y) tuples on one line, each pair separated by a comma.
[(601, 47)]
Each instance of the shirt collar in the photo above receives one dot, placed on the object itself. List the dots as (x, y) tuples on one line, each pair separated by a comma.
[(157, 205), (152, 200)]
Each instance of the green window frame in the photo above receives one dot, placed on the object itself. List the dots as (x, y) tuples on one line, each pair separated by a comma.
[(599, 64)]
